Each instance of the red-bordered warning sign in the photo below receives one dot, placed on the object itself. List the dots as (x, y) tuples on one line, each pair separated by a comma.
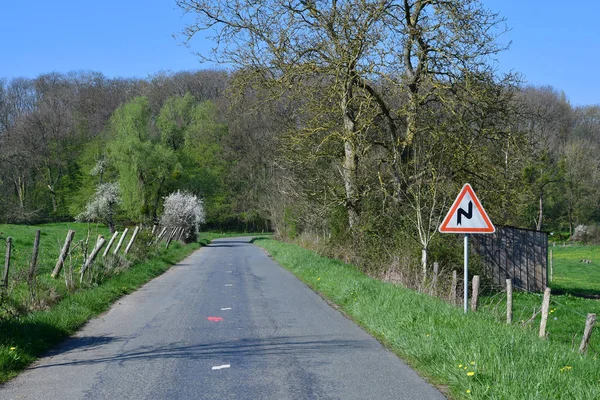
[(467, 215)]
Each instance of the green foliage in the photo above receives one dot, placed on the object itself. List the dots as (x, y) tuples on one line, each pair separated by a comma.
[(181, 148), (204, 159), (175, 117), (544, 176), (147, 170)]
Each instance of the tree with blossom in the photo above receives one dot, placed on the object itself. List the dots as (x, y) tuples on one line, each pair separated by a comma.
[(183, 210), (102, 206)]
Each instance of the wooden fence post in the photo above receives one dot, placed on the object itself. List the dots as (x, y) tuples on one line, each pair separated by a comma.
[(161, 234), (171, 236), (545, 308), (135, 232), (454, 286), (551, 265), (475, 296), (110, 243), (121, 239), (436, 271), (7, 262), (63, 254), (509, 301), (92, 257), (32, 265), (587, 333)]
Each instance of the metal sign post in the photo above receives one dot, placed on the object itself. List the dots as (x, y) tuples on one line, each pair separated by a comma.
[(467, 216), (466, 283)]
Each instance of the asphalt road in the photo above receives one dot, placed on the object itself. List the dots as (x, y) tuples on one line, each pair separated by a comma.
[(226, 323)]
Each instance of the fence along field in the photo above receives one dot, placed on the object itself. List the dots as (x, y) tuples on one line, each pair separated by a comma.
[(557, 317), (36, 257)]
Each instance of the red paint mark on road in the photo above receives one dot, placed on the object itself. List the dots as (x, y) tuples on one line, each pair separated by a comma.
[(215, 319)]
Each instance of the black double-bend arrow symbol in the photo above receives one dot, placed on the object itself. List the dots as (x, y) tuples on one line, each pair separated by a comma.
[(467, 214)]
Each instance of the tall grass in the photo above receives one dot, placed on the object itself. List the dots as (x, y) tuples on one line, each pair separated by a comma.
[(467, 356)]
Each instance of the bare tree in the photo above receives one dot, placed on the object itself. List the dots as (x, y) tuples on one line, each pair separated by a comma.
[(359, 51)]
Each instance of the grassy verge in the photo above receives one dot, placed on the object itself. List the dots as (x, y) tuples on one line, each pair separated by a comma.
[(24, 338), (472, 356)]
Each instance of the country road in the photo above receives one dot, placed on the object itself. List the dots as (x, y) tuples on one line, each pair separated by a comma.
[(226, 323)]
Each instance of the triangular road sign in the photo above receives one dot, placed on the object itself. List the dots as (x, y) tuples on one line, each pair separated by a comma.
[(467, 215)]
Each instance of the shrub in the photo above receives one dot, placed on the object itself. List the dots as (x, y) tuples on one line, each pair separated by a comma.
[(101, 207), (183, 209)]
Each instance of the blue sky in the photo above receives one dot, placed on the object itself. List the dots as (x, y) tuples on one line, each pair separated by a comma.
[(555, 42)]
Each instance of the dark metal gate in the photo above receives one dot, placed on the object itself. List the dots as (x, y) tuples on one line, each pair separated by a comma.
[(518, 254)]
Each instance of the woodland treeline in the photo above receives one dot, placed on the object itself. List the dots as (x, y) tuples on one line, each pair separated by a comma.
[(64, 135), (352, 125)]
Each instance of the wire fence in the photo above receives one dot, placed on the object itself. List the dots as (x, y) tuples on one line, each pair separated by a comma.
[(530, 313), (517, 254)]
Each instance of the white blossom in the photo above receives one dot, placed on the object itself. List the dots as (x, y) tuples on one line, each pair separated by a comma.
[(101, 206), (183, 209), (99, 167)]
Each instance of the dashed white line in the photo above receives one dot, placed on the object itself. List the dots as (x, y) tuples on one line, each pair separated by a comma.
[(221, 366), (229, 284), (226, 308)]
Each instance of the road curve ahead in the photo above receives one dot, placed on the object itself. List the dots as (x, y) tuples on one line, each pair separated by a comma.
[(226, 323)]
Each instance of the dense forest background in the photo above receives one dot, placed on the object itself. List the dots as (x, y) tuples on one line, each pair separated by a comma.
[(262, 165)]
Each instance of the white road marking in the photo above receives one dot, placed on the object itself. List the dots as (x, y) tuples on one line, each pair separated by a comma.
[(225, 309), (221, 366), (229, 272), (229, 284)]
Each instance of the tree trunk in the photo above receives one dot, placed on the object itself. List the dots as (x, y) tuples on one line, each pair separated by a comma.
[(541, 214), (350, 164), (109, 220), (349, 175), (424, 262), (20, 187), (411, 118), (570, 220)]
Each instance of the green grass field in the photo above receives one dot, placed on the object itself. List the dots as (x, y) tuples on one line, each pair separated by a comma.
[(573, 276), (473, 356)]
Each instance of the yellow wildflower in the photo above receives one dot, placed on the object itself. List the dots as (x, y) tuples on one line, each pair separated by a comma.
[(13, 348), (470, 373), (472, 362), (459, 365), (468, 390)]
